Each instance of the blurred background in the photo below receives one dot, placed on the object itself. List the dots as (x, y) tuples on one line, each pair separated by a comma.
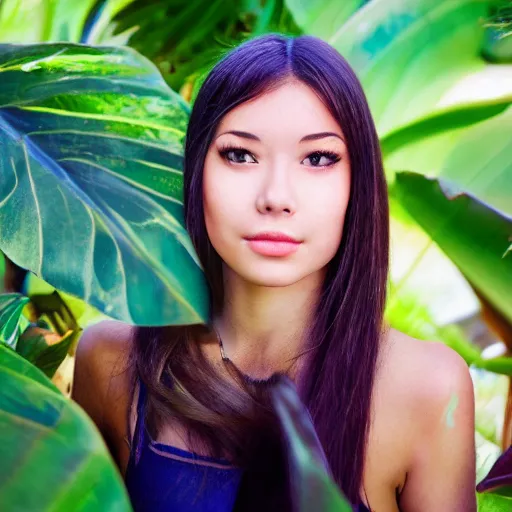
[(438, 78)]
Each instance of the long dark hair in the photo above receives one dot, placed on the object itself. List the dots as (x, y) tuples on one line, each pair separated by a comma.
[(336, 382)]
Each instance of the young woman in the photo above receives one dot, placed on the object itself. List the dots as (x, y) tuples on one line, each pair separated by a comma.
[(286, 203)]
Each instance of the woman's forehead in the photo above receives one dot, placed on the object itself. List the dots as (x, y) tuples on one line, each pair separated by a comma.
[(292, 111)]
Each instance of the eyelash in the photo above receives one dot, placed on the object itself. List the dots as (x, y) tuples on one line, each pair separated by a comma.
[(329, 154)]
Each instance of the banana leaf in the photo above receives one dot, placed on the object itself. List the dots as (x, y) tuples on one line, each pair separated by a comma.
[(474, 235)]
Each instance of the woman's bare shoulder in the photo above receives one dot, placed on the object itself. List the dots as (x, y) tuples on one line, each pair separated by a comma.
[(427, 390), (101, 381), (429, 368), (421, 374)]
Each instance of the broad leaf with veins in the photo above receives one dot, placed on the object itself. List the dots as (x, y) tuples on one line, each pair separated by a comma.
[(91, 144), (39, 425)]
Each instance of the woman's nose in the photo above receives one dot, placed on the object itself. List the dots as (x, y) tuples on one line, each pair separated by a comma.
[(276, 195)]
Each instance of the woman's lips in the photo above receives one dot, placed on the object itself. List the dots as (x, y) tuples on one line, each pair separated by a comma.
[(273, 247)]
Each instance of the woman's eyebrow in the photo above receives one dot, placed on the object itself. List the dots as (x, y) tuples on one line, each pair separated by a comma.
[(312, 136)]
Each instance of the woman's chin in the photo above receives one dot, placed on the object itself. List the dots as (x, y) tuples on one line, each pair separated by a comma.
[(273, 275)]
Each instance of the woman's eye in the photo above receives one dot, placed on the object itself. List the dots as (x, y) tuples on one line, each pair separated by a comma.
[(323, 158), (239, 155), (236, 155)]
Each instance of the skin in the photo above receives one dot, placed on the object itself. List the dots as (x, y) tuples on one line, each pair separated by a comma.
[(421, 451), (276, 185)]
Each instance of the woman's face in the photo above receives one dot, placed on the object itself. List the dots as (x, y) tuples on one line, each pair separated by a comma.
[(275, 181)]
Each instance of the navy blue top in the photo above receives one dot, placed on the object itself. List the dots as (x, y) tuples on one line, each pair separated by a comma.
[(163, 478)]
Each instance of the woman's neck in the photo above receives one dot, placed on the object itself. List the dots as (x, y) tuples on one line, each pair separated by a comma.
[(264, 328)]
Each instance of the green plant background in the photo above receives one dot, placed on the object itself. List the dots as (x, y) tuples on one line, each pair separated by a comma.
[(103, 90)]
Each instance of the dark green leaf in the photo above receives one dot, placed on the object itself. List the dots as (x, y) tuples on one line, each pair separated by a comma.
[(312, 488), (47, 357), (10, 359)]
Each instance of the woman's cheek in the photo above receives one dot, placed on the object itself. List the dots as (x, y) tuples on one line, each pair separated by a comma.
[(332, 218)]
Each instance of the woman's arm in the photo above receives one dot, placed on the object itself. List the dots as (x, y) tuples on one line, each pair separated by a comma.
[(100, 383), (442, 475)]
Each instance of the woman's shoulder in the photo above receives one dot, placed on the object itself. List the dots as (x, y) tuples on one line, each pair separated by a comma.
[(423, 390), (426, 371), (102, 378)]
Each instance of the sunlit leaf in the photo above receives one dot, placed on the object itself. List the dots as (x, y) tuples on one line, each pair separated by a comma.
[(322, 18), (470, 232), (35, 21), (493, 503), (39, 425), (91, 144), (411, 56), (474, 159)]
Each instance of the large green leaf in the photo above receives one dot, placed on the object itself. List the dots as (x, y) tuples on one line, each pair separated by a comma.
[(493, 503), (311, 485), (17, 364), (2, 271), (469, 231), (414, 57), (474, 160), (91, 143), (428, 142), (477, 158), (51, 457)]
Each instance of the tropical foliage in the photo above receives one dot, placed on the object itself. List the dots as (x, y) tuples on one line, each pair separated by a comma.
[(91, 142)]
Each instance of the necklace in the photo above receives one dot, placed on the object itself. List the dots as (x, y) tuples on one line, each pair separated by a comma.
[(226, 358), (221, 346)]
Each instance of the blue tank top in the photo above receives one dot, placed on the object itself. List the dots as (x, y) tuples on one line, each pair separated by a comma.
[(163, 478)]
